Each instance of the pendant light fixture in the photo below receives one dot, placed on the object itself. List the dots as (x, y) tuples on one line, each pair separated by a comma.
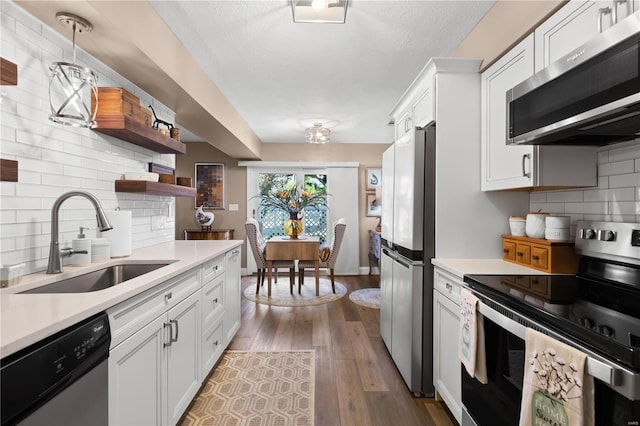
[(319, 11), (72, 86), (317, 134)]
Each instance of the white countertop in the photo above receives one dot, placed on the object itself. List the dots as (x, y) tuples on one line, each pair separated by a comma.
[(461, 267), (28, 318)]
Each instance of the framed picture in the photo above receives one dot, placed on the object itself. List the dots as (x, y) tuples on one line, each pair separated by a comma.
[(210, 185), (374, 205), (374, 179)]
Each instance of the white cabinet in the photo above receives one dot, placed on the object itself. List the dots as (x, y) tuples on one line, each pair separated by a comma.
[(524, 167), (154, 373), (233, 286), (574, 24), (446, 331), (183, 356), (166, 340)]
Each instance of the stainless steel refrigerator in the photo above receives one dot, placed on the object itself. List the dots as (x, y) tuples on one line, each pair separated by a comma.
[(408, 245)]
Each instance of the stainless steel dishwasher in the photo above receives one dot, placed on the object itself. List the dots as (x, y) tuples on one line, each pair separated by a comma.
[(61, 380)]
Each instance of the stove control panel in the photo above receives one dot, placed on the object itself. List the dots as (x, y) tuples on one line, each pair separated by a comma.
[(610, 240)]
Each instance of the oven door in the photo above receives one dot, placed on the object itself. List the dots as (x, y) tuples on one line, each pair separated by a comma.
[(497, 403)]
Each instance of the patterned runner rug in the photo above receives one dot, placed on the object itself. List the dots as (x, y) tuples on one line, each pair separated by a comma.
[(257, 389), (369, 297)]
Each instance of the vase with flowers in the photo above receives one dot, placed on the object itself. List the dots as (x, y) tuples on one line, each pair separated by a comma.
[(292, 200)]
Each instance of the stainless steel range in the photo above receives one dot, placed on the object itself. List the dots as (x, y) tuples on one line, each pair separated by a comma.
[(597, 311)]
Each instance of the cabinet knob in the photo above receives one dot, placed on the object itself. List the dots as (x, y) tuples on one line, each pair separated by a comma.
[(505, 251), (168, 295), (448, 286), (215, 343), (215, 300), (520, 254), (535, 257)]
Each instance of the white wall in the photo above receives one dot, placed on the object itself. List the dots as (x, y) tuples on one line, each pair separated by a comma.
[(616, 198), (54, 159)]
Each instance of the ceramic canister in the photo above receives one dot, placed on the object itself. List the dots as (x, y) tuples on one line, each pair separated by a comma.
[(535, 225)]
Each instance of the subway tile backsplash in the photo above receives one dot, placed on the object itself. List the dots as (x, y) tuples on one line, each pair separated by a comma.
[(616, 198), (54, 159)]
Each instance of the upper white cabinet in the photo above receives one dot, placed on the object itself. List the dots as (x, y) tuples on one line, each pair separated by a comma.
[(524, 166), (575, 24), (416, 107)]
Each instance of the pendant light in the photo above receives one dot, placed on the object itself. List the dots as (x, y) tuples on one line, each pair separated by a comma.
[(317, 134), (72, 86)]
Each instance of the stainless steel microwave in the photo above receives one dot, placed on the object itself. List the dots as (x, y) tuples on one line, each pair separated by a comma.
[(589, 97)]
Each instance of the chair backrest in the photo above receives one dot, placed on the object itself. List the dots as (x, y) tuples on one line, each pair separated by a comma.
[(339, 226), (256, 241)]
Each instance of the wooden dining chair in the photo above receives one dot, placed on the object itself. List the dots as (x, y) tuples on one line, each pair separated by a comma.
[(329, 262), (258, 245)]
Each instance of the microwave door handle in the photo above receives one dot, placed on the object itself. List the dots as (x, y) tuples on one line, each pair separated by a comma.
[(601, 12), (595, 368)]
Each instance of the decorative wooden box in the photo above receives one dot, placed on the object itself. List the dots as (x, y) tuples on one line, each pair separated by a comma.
[(558, 257), (117, 101)]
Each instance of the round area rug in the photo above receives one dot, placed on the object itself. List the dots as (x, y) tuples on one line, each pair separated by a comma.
[(280, 295), (369, 297)]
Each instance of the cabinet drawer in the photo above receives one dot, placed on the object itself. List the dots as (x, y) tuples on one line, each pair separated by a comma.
[(212, 347), (523, 253), (212, 300), (449, 285), (212, 269), (540, 257), (509, 250), (133, 314)]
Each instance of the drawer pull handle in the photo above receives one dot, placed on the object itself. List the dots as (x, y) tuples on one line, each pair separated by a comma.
[(448, 286), (215, 343), (520, 254), (215, 300), (168, 324), (535, 257), (174, 339), (505, 251), (168, 296)]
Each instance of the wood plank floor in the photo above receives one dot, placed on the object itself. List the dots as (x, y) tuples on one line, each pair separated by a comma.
[(356, 380)]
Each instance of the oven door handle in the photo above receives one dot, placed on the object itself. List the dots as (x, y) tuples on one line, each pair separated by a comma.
[(595, 368)]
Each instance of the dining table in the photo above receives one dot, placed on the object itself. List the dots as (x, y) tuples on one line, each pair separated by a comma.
[(286, 248)]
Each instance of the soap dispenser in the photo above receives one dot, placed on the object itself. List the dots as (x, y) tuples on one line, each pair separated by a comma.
[(81, 244)]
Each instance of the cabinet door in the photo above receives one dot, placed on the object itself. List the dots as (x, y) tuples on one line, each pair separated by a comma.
[(388, 172), (570, 27), (137, 377), (523, 253), (386, 293), (232, 285), (446, 365), (423, 110), (183, 355), (504, 167), (404, 123)]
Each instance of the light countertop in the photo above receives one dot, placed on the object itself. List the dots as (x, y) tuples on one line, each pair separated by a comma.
[(461, 267), (27, 318)]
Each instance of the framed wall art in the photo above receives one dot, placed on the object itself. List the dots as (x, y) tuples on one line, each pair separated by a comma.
[(210, 185), (374, 205), (374, 179)]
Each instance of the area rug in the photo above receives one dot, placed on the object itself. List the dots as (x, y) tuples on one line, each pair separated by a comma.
[(280, 295), (369, 297), (257, 389)]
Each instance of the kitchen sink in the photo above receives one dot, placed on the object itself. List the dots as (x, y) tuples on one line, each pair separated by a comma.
[(98, 280)]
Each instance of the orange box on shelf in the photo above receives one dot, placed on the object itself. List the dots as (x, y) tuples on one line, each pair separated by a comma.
[(118, 101)]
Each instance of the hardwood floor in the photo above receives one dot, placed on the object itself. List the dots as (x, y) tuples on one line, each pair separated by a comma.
[(356, 380)]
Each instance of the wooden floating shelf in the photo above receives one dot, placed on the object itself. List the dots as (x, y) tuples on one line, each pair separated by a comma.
[(8, 73), (126, 128), (154, 188), (8, 170)]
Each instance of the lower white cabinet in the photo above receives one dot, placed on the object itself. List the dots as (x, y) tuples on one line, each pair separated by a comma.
[(446, 331), (233, 287), (154, 374), (166, 340)]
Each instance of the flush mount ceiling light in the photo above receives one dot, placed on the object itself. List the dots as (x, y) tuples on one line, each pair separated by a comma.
[(317, 134), (71, 86), (319, 11)]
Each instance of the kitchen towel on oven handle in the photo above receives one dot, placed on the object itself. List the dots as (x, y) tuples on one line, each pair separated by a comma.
[(471, 349), (556, 389)]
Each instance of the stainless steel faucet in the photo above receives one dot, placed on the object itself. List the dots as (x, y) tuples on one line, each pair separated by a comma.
[(55, 254)]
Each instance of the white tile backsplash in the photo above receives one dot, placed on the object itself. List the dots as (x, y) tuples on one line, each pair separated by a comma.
[(54, 159), (617, 197)]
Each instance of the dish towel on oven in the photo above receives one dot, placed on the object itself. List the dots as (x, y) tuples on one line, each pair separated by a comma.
[(556, 390), (471, 346)]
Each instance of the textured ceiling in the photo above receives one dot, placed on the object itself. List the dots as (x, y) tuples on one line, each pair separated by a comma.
[(282, 76)]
